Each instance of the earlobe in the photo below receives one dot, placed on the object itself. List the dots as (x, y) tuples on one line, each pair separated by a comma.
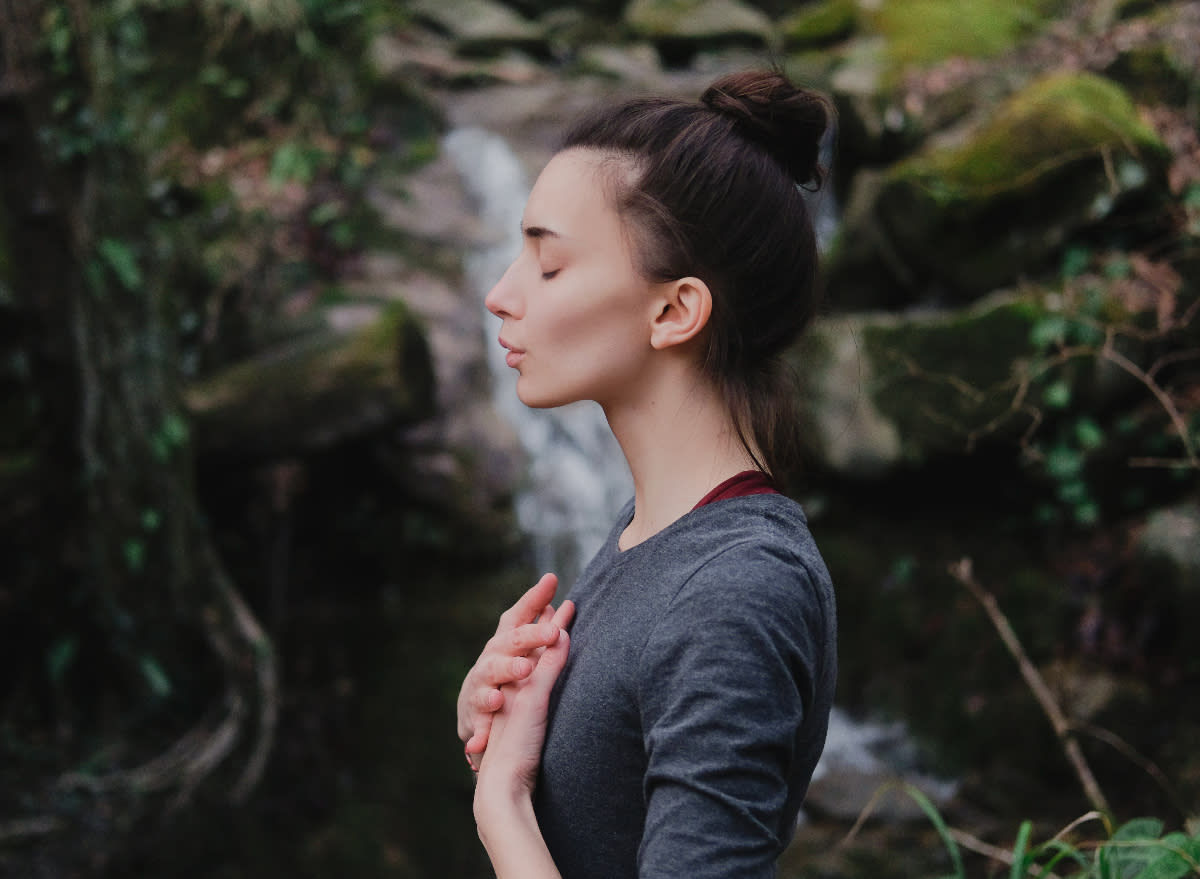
[(684, 307)]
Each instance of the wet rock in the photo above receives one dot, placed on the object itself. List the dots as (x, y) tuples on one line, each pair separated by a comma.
[(480, 27), (637, 63), (869, 765), (408, 57)]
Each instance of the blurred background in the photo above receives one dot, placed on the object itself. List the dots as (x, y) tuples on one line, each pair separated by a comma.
[(265, 486)]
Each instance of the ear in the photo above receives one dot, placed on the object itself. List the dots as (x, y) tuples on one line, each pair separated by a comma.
[(683, 309)]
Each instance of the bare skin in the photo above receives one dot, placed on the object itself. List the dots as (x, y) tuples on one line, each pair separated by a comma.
[(524, 630), (504, 792)]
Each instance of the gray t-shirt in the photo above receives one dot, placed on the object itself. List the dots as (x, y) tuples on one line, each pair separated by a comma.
[(694, 704)]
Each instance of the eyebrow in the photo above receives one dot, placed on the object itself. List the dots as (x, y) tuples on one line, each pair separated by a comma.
[(538, 232)]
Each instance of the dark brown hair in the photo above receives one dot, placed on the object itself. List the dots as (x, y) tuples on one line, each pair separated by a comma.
[(714, 193)]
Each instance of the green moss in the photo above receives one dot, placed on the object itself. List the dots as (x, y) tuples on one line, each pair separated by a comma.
[(923, 32), (820, 24), (1058, 119)]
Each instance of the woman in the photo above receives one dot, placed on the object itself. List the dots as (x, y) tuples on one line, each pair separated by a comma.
[(668, 264)]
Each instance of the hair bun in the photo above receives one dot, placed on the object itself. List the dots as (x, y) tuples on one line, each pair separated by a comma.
[(787, 121)]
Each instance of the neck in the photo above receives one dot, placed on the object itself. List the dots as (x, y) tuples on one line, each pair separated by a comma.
[(679, 441)]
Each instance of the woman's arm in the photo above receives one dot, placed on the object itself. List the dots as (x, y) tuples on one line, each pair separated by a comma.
[(504, 793)]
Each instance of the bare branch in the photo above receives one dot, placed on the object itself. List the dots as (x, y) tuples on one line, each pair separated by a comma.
[(963, 573)]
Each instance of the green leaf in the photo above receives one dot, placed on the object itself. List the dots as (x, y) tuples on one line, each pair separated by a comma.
[(160, 684), (1057, 395), (935, 818), (135, 554), (175, 430), (1050, 330), (1086, 513), (59, 657), (1139, 828), (1020, 864), (1177, 857), (1075, 261), (151, 519), (325, 212), (1089, 434), (1064, 462), (120, 257)]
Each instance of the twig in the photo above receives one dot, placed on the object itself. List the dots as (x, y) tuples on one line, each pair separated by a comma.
[(962, 571), (1111, 354), (15, 830)]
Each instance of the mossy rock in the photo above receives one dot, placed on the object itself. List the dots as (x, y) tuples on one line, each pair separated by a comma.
[(819, 24), (1067, 153), (885, 391), (920, 33), (320, 389), (705, 23)]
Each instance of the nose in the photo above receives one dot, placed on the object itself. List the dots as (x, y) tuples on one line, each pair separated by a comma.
[(503, 300)]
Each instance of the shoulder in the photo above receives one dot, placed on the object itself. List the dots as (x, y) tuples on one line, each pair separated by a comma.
[(756, 548)]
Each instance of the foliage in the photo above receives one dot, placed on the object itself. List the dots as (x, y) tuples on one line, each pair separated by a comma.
[(1122, 321), (1138, 849)]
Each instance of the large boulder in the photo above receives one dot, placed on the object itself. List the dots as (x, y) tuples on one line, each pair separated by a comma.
[(884, 391), (956, 221), (361, 369)]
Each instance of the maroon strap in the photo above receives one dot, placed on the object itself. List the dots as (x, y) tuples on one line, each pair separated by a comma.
[(745, 483)]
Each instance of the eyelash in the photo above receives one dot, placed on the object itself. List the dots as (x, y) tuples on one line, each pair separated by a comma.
[(548, 276)]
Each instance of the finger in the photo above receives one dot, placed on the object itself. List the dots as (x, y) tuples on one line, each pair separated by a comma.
[(487, 700), (530, 604), (477, 744), (519, 641), (563, 616)]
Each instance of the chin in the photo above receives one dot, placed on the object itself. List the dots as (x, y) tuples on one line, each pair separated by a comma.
[(535, 400)]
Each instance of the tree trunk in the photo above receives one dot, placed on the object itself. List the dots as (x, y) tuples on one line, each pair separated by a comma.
[(122, 587)]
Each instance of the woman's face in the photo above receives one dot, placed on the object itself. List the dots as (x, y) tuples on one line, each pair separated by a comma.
[(576, 315)]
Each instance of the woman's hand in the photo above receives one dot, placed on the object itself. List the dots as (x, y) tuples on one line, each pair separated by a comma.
[(514, 752), (504, 792), (509, 656)]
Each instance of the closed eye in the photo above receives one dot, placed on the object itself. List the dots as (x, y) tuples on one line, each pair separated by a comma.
[(547, 276)]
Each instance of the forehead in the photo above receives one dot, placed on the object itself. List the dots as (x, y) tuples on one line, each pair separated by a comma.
[(572, 193)]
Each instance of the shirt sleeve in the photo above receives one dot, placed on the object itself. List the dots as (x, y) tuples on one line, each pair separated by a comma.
[(725, 679)]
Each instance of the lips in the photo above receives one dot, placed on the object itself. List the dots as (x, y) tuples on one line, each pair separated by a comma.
[(515, 355)]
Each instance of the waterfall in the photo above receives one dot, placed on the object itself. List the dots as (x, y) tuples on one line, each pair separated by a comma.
[(577, 479)]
